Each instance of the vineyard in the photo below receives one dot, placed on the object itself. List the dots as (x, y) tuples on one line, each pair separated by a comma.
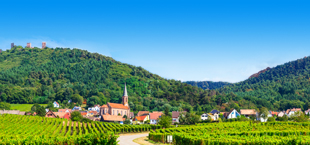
[(18, 129), (236, 133)]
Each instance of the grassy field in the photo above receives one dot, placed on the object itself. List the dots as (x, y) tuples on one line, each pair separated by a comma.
[(23, 107)]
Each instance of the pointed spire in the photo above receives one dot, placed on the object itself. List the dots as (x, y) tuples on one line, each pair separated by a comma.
[(125, 91)]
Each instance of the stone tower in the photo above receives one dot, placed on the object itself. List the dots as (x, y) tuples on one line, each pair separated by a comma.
[(125, 96), (43, 45), (29, 45), (12, 45)]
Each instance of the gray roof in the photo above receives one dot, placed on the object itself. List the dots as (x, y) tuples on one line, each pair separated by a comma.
[(125, 91)]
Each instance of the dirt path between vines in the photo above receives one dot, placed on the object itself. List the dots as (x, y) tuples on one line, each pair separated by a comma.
[(127, 139)]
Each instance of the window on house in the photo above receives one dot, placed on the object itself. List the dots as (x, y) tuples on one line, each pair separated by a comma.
[(113, 112), (117, 112)]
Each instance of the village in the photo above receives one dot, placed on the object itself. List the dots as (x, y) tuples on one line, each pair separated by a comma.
[(119, 113)]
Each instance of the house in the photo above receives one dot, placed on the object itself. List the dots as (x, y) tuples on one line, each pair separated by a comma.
[(214, 111), (154, 117), (261, 119), (215, 114), (281, 114), (290, 112), (65, 110), (273, 113), (16, 112), (140, 119), (176, 116), (132, 115), (95, 108), (232, 114), (248, 112), (85, 101), (76, 108), (50, 114), (92, 113), (115, 109), (142, 113), (307, 112), (204, 116), (83, 113), (56, 105)]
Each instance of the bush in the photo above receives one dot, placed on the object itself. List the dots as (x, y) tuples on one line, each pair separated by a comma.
[(271, 119)]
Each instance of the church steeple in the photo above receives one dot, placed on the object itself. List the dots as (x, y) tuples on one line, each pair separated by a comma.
[(125, 91), (125, 96)]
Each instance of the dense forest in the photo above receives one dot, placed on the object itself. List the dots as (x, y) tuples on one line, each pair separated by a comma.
[(33, 75), (207, 84), (283, 86)]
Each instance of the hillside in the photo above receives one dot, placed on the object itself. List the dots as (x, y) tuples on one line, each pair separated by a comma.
[(207, 84), (44, 75), (33, 75), (285, 86)]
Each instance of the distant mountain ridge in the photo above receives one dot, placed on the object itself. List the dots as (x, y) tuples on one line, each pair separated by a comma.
[(257, 74), (208, 85)]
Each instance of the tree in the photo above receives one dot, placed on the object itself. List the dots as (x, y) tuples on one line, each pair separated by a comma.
[(264, 113), (165, 121), (76, 116), (125, 116), (127, 121), (271, 119), (4, 106), (40, 111), (147, 122), (76, 98), (167, 111)]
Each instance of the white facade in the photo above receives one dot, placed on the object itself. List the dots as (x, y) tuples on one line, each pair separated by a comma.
[(153, 121), (204, 116), (96, 108), (233, 114), (264, 120), (56, 105)]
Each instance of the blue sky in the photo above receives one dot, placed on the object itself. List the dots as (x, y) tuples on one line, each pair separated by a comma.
[(185, 40)]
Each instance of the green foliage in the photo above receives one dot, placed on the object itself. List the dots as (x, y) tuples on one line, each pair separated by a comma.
[(189, 118), (5, 106), (127, 121), (165, 121), (271, 119), (263, 112), (76, 116), (208, 84)]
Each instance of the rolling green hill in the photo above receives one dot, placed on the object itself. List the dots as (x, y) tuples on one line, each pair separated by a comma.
[(33, 75)]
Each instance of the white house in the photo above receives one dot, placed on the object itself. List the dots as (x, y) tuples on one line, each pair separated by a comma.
[(290, 112), (204, 116), (261, 119), (95, 108), (307, 112), (56, 105), (76, 108), (154, 117), (232, 114)]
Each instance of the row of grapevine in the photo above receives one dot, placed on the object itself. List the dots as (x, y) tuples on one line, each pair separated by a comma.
[(236, 133)]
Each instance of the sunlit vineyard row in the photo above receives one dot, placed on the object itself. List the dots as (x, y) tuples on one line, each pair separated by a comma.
[(236, 133)]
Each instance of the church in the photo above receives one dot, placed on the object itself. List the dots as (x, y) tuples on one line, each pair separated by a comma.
[(111, 112)]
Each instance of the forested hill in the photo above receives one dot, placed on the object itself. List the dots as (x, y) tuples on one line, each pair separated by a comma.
[(33, 75), (207, 84), (285, 86)]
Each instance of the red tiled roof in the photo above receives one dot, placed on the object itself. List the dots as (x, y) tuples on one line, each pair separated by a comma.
[(294, 109), (60, 114), (140, 113), (94, 112), (112, 118), (155, 116), (274, 113), (140, 118), (83, 113), (116, 105)]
